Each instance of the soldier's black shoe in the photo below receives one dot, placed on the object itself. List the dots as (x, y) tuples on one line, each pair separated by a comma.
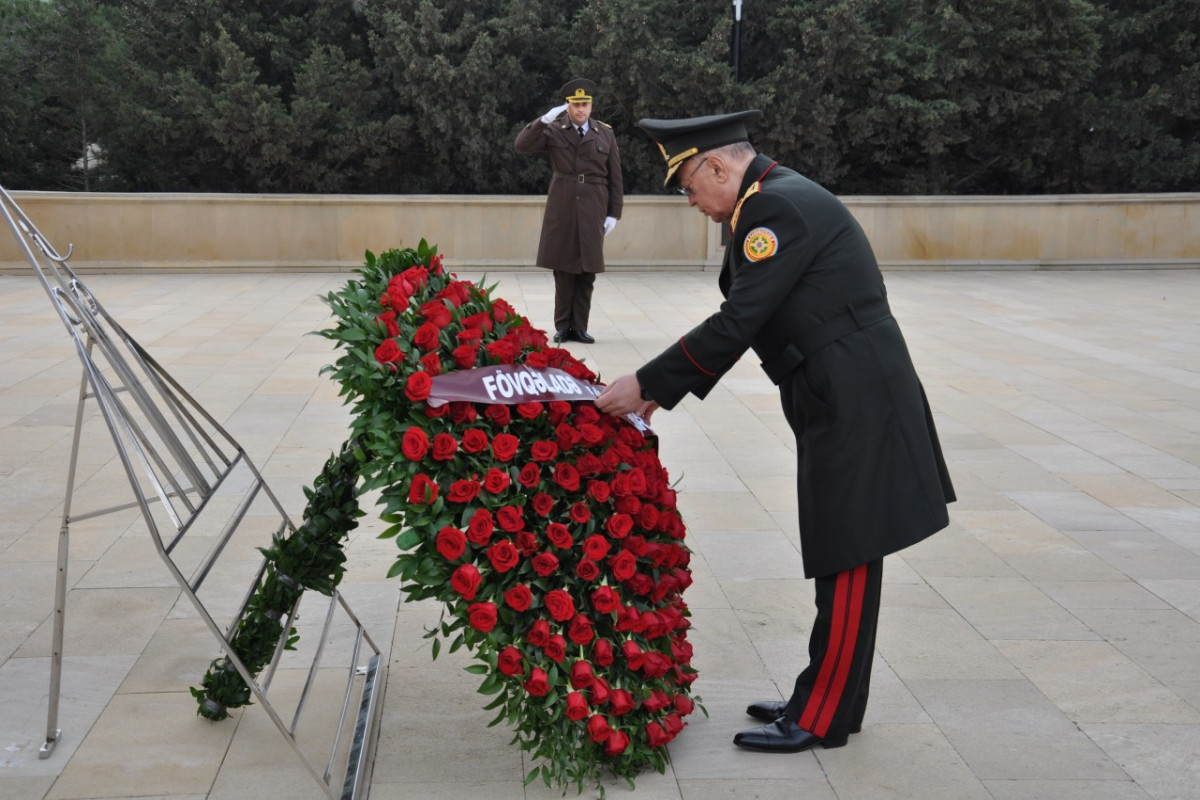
[(766, 710), (582, 336), (562, 335), (782, 736)]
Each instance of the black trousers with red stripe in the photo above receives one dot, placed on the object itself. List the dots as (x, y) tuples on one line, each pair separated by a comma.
[(830, 697)]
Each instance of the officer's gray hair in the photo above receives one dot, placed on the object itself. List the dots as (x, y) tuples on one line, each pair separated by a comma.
[(736, 151)]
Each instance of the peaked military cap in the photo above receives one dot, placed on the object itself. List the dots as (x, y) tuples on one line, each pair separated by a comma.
[(578, 90), (680, 139)]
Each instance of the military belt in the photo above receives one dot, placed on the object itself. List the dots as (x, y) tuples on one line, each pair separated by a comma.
[(852, 318), (581, 178)]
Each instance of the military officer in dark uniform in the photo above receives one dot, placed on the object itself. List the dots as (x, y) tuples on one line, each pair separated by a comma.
[(803, 290), (584, 202)]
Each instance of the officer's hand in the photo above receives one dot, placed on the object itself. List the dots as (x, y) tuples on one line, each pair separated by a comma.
[(622, 396), (609, 224), (553, 113)]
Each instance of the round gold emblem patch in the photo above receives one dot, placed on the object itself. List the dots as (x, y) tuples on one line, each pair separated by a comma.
[(760, 243)]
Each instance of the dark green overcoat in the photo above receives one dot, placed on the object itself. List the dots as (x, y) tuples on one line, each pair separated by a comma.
[(803, 289)]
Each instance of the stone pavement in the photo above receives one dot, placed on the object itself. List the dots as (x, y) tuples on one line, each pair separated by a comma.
[(1044, 646)]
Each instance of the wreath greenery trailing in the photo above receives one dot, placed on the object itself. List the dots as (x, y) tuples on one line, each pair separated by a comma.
[(310, 558)]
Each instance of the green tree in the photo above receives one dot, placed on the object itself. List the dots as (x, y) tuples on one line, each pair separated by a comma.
[(1142, 118)]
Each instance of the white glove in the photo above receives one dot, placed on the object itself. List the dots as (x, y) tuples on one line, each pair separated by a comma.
[(609, 224), (553, 113)]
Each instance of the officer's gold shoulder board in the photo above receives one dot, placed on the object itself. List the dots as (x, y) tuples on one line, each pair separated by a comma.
[(605, 124), (760, 243), (737, 210)]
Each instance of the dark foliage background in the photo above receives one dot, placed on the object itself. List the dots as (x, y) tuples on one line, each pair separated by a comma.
[(426, 96)]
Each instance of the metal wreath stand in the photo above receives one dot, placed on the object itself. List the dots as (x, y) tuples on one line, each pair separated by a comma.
[(181, 464)]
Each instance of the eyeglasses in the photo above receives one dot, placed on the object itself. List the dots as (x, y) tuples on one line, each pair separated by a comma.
[(686, 191)]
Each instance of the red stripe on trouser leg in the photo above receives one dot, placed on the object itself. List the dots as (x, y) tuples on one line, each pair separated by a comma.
[(835, 663)]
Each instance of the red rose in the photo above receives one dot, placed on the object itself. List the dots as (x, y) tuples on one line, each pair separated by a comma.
[(620, 702), (469, 336), (538, 684), (599, 491), (560, 605), (558, 535), (389, 352), (465, 581), (519, 597), (498, 414), (527, 543), (496, 481), (618, 525), (423, 490), (539, 633), (426, 337), (435, 313), (504, 446), (590, 434), (599, 692), (465, 356), (633, 654), (474, 440), (657, 701), (457, 292), (649, 517), (655, 735), (462, 413), (509, 661), (444, 447), (582, 674), (580, 513), (624, 566), (616, 743), (529, 410), (566, 437), (543, 451), (606, 600), (673, 724), (545, 564), (656, 665), (559, 411), (388, 320), (503, 555), (565, 476), (588, 464), (556, 648), (598, 729), (596, 547), (463, 491), (510, 518), (602, 652), (580, 630), (479, 529), (587, 569), (577, 707), (482, 616), (530, 475), (414, 443), (418, 386), (684, 705), (502, 351), (431, 363), (398, 294), (542, 504), (629, 505), (451, 543)]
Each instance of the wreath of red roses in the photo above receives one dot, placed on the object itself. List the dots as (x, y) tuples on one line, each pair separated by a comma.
[(548, 531)]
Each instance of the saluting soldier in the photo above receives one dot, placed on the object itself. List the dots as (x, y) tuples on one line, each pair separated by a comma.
[(803, 290), (583, 205)]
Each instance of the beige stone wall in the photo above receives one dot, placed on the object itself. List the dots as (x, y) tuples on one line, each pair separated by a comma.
[(225, 232)]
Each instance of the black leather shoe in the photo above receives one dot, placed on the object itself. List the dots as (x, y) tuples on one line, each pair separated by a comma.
[(582, 336), (781, 736), (771, 710), (562, 335), (767, 710)]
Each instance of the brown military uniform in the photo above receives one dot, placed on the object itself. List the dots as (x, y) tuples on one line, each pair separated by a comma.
[(586, 187)]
